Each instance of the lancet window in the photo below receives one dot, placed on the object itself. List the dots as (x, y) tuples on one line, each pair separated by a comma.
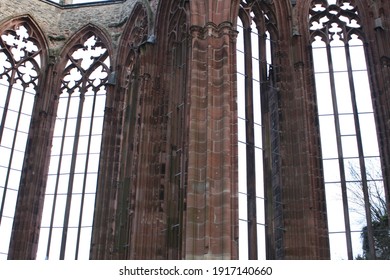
[(20, 69), (254, 79), (350, 153), (72, 179)]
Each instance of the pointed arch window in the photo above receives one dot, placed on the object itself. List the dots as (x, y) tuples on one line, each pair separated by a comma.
[(72, 179), (20, 64), (350, 153), (254, 71)]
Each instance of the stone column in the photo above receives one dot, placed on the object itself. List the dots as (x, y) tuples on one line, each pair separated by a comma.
[(212, 205)]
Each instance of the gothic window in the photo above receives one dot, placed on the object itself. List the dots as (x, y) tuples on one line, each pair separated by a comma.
[(350, 153), (20, 63), (254, 64), (71, 185)]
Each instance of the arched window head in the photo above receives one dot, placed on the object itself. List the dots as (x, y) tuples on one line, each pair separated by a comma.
[(87, 66), (71, 186), (20, 69), (350, 153)]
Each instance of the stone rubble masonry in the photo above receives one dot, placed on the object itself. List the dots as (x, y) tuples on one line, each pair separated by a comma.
[(60, 23)]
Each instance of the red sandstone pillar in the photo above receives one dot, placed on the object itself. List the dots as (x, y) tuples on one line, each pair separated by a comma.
[(212, 209)]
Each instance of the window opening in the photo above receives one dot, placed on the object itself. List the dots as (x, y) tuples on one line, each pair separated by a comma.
[(73, 171), (20, 62), (352, 169), (253, 72)]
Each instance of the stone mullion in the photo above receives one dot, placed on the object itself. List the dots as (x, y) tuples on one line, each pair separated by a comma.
[(268, 101), (28, 213), (209, 229), (250, 146)]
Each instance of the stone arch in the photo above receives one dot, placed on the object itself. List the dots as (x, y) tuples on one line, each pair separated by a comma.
[(136, 33), (164, 14), (303, 8), (76, 41), (266, 17)]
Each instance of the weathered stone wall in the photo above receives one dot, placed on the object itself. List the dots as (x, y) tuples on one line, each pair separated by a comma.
[(59, 23), (46, 16)]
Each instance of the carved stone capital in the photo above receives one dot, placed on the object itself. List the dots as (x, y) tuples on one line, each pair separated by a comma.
[(213, 30)]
